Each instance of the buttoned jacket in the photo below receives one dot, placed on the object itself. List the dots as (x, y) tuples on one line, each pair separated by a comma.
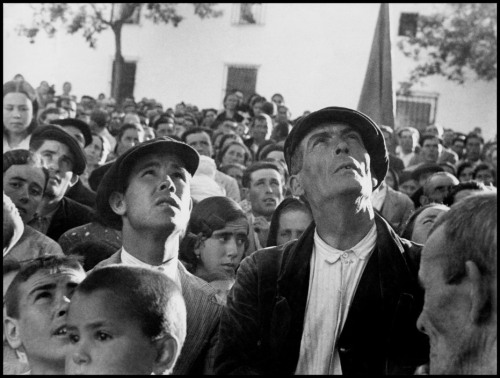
[(261, 326)]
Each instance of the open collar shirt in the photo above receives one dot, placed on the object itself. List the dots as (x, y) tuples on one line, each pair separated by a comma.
[(169, 268), (334, 277)]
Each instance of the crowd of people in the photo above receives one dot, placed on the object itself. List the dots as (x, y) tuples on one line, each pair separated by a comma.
[(141, 239)]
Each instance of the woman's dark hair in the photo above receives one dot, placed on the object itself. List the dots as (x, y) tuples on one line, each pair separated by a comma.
[(469, 185), (162, 119), (225, 137), (25, 88), (461, 167), (102, 143), (220, 155), (266, 148), (208, 215), (395, 176), (281, 131), (288, 204), (410, 223)]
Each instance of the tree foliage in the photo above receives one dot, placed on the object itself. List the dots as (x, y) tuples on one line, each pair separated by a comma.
[(459, 41), (93, 18)]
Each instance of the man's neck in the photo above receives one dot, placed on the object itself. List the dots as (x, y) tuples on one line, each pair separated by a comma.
[(153, 248), (343, 223), (485, 361), (16, 139)]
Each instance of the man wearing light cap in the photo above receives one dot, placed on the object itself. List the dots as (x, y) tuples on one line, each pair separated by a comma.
[(344, 297), (146, 194), (65, 161)]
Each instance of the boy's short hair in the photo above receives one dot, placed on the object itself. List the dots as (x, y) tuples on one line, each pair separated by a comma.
[(258, 165), (28, 269), (197, 130), (126, 127), (147, 295), (25, 157)]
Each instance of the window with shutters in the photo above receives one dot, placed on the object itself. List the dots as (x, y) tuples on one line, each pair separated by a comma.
[(135, 18), (408, 24), (242, 78), (248, 14), (416, 109), (128, 80)]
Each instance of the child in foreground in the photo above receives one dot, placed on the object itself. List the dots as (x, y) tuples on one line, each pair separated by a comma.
[(125, 320)]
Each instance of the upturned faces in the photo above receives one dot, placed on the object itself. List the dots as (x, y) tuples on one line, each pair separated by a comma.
[(37, 306), (157, 195), (334, 161)]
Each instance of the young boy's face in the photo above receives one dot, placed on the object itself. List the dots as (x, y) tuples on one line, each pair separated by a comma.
[(43, 305), (104, 339)]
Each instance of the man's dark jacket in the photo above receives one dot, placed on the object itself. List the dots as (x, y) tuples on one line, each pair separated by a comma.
[(261, 326), (81, 194), (68, 215)]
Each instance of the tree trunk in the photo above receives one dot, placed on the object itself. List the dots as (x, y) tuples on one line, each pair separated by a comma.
[(118, 64)]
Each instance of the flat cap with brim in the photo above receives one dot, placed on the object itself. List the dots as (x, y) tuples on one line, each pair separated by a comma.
[(370, 132), (116, 176), (79, 124), (57, 133), (425, 168)]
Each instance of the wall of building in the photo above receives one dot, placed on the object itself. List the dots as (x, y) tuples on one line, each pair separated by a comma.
[(314, 54)]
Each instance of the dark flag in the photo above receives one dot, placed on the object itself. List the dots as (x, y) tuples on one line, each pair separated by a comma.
[(376, 96)]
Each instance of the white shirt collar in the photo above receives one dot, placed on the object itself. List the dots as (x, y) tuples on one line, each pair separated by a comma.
[(362, 250), (170, 268)]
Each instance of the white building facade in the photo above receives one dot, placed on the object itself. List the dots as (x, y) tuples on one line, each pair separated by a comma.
[(315, 55)]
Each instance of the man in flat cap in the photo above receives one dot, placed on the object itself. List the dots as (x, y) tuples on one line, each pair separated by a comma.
[(146, 194), (344, 297), (65, 161), (79, 130)]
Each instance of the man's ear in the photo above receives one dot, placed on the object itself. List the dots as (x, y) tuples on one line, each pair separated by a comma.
[(190, 204), (12, 334), (167, 352), (374, 182), (479, 296), (296, 186), (117, 203), (74, 179)]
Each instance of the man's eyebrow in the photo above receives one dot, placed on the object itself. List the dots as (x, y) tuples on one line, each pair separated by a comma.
[(19, 178), (323, 134), (72, 285), (49, 286), (150, 164)]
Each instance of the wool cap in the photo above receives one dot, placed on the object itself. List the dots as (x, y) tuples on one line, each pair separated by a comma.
[(79, 124), (370, 132)]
